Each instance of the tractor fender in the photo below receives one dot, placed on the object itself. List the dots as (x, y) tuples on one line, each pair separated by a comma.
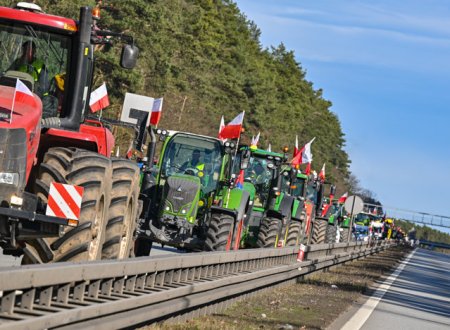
[(286, 206), (298, 209), (237, 202), (223, 210)]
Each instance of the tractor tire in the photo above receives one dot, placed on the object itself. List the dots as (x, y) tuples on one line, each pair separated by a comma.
[(269, 230), (220, 233), (331, 234), (293, 236), (123, 210), (344, 235), (319, 231), (91, 171)]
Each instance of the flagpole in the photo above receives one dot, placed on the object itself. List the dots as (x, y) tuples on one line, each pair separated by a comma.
[(235, 154), (14, 101)]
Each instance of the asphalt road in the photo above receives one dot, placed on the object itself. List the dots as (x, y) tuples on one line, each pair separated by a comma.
[(8, 261), (417, 298)]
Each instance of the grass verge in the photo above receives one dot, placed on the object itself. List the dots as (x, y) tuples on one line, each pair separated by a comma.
[(311, 304)]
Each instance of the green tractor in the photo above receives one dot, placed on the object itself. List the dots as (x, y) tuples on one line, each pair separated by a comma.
[(308, 192), (189, 199), (270, 212), (339, 223)]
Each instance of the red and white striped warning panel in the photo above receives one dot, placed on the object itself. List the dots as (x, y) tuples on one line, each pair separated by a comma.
[(64, 201)]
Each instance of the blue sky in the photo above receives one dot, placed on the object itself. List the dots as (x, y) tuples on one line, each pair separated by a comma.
[(385, 66)]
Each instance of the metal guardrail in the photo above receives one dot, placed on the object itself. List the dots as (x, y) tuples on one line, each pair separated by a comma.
[(117, 294)]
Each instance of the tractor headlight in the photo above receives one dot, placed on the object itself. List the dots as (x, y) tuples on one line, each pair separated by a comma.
[(9, 178), (185, 209), (168, 206)]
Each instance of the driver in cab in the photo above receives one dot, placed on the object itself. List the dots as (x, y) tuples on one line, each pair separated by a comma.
[(194, 162)]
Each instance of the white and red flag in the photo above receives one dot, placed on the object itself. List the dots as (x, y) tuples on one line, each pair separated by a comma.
[(221, 126), (99, 98), (22, 94), (304, 155), (296, 151), (343, 198), (233, 129), (322, 173), (255, 140), (156, 111), (64, 201)]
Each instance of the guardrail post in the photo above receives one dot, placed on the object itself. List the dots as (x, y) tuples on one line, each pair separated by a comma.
[(78, 291), (8, 300), (45, 296), (27, 300)]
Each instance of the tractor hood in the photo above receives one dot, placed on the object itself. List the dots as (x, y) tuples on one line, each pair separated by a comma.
[(19, 131)]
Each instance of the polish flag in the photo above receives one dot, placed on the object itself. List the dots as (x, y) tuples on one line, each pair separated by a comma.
[(304, 155), (221, 127), (99, 98), (255, 141), (296, 151), (343, 198), (22, 94), (156, 111), (322, 173), (233, 129)]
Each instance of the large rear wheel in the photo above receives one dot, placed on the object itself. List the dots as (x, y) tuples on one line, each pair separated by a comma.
[(123, 209), (293, 236), (90, 171), (331, 233), (344, 235), (319, 231), (269, 230), (219, 236)]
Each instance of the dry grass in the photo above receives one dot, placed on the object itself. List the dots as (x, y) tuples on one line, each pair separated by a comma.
[(312, 304)]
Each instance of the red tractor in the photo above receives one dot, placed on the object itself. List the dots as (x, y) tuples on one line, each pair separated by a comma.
[(45, 138)]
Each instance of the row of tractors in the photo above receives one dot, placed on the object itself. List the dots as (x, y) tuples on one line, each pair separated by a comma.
[(189, 198)]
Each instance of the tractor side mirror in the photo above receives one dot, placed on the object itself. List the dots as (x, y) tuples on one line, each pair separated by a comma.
[(333, 190), (245, 158), (129, 56)]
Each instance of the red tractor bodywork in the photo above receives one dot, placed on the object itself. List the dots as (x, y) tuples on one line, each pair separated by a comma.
[(27, 131)]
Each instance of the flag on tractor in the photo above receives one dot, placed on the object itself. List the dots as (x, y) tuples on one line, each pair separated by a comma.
[(322, 173), (99, 98), (22, 94), (233, 129), (343, 198), (156, 111), (221, 127), (304, 155), (296, 151), (240, 180), (255, 141)]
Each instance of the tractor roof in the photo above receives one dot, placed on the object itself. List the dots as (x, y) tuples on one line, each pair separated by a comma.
[(262, 152), (42, 19)]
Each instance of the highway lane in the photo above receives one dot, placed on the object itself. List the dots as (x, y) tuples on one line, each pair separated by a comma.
[(418, 298)]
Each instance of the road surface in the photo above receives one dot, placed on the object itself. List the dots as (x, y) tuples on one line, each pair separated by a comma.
[(415, 296)]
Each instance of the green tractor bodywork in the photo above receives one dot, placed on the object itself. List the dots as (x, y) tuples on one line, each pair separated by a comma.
[(192, 202), (263, 225), (308, 207)]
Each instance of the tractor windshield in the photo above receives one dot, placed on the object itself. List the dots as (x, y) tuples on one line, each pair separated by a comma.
[(294, 188), (193, 155), (260, 175), (37, 57)]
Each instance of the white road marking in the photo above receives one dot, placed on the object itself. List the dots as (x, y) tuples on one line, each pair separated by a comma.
[(361, 316)]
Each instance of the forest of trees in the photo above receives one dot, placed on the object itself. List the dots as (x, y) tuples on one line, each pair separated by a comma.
[(205, 58)]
